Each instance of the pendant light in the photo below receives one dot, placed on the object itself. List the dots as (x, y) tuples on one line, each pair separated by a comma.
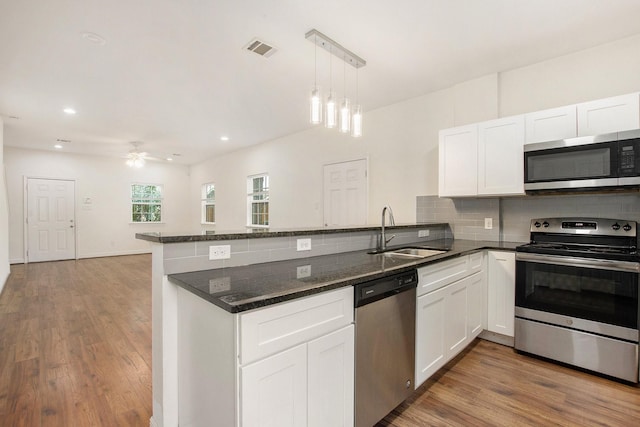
[(356, 125), (331, 116), (345, 105), (316, 98), (346, 118)]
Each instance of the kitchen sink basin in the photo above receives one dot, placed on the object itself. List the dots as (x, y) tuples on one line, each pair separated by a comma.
[(414, 252)]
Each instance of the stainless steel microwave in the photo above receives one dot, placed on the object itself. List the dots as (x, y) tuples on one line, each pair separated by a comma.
[(593, 162)]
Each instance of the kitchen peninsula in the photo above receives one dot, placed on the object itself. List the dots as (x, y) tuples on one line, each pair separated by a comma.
[(265, 270)]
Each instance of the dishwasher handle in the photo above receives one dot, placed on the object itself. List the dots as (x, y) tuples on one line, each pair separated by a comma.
[(374, 290)]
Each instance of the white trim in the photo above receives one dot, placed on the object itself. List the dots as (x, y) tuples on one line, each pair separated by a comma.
[(17, 261)]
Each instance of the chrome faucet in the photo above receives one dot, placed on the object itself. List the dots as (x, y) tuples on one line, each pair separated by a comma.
[(383, 236)]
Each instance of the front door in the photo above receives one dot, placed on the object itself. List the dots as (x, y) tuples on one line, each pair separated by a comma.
[(50, 220)]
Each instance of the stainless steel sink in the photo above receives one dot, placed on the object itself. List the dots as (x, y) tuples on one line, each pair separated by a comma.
[(414, 252)]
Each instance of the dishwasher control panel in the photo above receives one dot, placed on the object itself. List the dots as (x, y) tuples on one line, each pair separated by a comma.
[(375, 290)]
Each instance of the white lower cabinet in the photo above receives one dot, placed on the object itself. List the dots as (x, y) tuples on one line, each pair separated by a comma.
[(308, 385), (449, 317), (286, 365), (431, 350), (501, 272), (274, 390), (330, 397)]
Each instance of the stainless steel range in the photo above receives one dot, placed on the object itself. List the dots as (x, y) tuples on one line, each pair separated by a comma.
[(577, 294)]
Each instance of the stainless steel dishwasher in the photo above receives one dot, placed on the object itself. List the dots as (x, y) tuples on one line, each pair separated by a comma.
[(385, 312)]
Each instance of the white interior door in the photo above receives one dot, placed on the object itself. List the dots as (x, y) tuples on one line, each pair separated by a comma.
[(50, 220), (345, 193)]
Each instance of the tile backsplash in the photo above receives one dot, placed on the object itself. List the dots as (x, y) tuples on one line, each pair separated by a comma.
[(511, 216), (466, 217)]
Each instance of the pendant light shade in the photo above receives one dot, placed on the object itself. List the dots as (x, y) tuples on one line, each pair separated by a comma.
[(331, 115), (345, 116), (356, 125), (316, 106)]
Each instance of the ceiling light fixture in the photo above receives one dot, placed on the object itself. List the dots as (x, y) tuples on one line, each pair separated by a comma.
[(136, 158), (224, 138), (350, 117), (58, 146), (69, 111)]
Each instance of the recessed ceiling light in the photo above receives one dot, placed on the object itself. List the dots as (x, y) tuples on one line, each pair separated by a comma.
[(69, 110), (94, 38), (169, 159), (58, 146), (224, 138)]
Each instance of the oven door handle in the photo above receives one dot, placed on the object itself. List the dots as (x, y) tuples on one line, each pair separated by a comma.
[(601, 264)]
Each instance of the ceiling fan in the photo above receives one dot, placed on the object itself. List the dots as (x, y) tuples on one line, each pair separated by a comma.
[(136, 158)]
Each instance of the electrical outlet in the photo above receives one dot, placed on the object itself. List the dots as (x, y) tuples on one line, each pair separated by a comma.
[(221, 284), (219, 252), (488, 223), (423, 233), (303, 271), (303, 244)]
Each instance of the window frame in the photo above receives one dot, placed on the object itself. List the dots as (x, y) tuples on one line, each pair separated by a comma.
[(146, 201), (207, 201), (251, 201)]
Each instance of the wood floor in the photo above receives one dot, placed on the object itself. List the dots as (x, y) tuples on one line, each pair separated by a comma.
[(75, 350), (75, 343)]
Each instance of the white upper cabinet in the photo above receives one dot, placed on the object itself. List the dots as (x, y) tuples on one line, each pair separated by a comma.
[(500, 157), (458, 161), (551, 125), (609, 115)]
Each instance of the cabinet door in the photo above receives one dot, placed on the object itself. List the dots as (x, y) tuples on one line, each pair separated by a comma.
[(274, 390), (430, 334), (500, 157), (501, 292), (456, 328), (331, 379), (476, 306), (438, 275), (551, 125), (458, 161), (609, 115)]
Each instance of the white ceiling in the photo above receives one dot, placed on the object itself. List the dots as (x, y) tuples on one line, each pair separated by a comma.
[(174, 74)]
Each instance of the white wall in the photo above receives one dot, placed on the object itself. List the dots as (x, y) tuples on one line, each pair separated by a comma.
[(401, 140), (4, 217), (103, 226)]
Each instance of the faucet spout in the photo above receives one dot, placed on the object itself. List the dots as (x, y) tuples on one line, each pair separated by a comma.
[(383, 237)]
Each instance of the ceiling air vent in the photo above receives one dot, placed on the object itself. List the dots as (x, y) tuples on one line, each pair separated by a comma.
[(261, 48)]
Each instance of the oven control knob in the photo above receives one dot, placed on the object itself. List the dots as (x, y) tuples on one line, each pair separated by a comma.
[(545, 224), (616, 226), (626, 227), (537, 224)]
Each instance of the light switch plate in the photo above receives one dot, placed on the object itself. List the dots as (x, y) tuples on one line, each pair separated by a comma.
[(488, 223), (423, 233)]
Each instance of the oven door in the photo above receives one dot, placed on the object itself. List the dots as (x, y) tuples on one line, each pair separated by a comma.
[(595, 295)]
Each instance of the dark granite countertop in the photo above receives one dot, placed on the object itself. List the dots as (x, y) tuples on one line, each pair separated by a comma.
[(253, 233), (237, 289)]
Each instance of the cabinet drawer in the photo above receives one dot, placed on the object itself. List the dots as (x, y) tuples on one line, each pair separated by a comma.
[(273, 329), (437, 275), (476, 262)]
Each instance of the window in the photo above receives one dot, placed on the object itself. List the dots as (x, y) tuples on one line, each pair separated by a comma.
[(258, 200), (146, 203), (208, 204)]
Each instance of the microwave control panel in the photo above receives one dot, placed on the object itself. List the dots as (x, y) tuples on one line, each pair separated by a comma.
[(629, 157)]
